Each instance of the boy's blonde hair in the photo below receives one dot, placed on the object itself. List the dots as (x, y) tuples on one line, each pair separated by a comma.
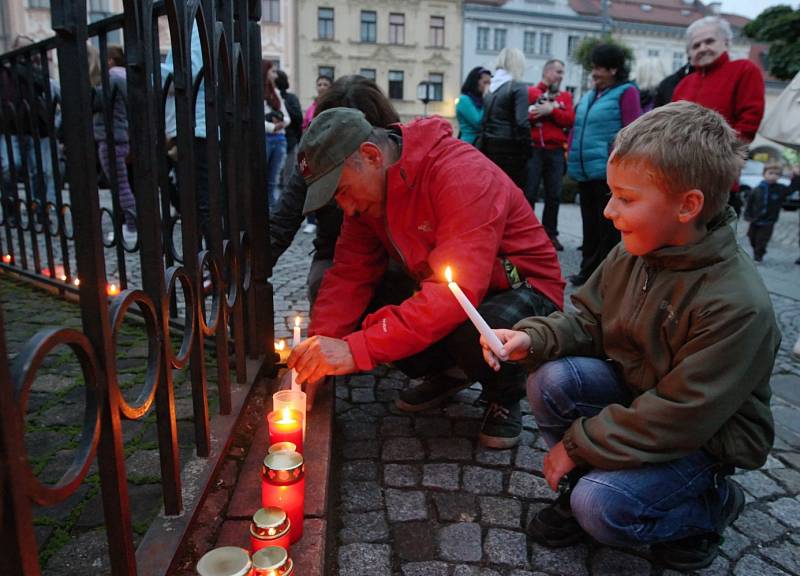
[(773, 166), (689, 147)]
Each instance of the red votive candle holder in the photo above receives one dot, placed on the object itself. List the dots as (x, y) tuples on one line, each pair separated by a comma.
[(272, 561), (286, 425), (283, 486), (269, 527)]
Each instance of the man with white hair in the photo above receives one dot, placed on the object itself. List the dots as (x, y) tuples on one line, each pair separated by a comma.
[(734, 88)]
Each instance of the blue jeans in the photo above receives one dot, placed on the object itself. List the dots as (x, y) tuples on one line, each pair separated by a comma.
[(26, 144), (631, 507), (276, 156)]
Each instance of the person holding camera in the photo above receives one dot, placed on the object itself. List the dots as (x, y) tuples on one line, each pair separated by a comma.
[(551, 115), (276, 119)]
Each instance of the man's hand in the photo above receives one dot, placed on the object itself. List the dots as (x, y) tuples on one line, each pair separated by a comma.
[(557, 464), (320, 356), (539, 110), (515, 345)]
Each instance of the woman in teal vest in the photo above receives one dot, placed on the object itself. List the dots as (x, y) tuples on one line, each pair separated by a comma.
[(612, 104), (469, 109)]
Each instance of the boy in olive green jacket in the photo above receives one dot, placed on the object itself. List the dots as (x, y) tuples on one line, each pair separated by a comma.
[(658, 386)]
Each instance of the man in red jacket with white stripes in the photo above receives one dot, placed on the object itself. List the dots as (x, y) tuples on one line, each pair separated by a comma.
[(419, 198), (734, 88), (552, 116)]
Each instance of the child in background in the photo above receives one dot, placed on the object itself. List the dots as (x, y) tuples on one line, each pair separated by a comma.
[(658, 385), (763, 209)]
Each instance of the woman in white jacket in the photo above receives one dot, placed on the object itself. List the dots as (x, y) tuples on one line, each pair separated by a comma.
[(276, 119)]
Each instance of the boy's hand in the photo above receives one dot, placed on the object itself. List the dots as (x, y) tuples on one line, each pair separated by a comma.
[(515, 345), (557, 464)]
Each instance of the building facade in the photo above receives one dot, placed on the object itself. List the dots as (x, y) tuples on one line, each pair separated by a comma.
[(399, 45), (542, 29), (32, 18)]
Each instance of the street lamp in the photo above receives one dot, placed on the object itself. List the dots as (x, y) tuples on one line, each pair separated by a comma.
[(425, 93)]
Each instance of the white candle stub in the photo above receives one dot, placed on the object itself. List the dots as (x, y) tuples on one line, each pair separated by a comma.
[(474, 315)]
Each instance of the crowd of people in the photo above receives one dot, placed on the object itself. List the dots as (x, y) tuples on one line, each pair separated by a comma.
[(655, 385), (657, 382)]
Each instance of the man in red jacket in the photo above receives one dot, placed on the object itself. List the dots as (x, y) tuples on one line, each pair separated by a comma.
[(552, 116), (734, 88), (418, 197)]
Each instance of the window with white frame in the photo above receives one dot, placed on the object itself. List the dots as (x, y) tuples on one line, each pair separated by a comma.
[(369, 26), (678, 59), (437, 31), (499, 39), (36, 4), (545, 43), (572, 44), (437, 81), (396, 84), (652, 53), (529, 42), (325, 23), (483, 39), (397, 28), (271, 11), (328, 71), (369, 73)]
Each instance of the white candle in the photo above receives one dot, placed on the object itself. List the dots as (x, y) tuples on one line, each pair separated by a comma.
[(296, 335), (295, 385), (474, 315)]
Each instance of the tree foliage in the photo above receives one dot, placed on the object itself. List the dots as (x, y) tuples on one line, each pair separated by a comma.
[(780, 27), (583, 52)]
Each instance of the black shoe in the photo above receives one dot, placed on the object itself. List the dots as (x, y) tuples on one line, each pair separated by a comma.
[(698, 552), (433, 391), (554, 526), (797, 261), (556, 244), (577, 280), (502, 425), (758, 258)]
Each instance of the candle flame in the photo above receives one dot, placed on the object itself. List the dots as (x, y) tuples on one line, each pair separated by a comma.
[(286, 415), (280, 345), (7, 258), (448, 274), (271, 531), (77, 281), (112, 289), (297, 321)]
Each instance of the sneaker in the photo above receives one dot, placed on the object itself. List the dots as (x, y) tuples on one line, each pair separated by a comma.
[(433, 391), (309, 228), (502, 425), (556, 244), (554, 526), (698, 552)]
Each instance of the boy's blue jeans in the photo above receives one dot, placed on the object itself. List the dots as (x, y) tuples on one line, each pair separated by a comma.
[(653, 503)]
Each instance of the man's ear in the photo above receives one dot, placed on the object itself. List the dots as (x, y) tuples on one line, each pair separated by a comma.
[(371, 153), (692, 203)]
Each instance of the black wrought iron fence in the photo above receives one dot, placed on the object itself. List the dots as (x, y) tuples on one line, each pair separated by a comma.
[(191, 156)]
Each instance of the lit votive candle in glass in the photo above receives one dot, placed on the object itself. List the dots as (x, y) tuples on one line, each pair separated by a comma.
[(286, 425), (282, 351), (269, 527), (294, 399), (283, 485), (225, 561), (272, 561)]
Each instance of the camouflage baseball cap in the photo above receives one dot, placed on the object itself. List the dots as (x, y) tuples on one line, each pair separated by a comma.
[(333, 136)]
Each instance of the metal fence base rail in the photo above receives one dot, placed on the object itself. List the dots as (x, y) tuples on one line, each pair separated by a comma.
[(188, 244)]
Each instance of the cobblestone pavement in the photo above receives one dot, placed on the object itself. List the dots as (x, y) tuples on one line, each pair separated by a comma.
[(416, 494)]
